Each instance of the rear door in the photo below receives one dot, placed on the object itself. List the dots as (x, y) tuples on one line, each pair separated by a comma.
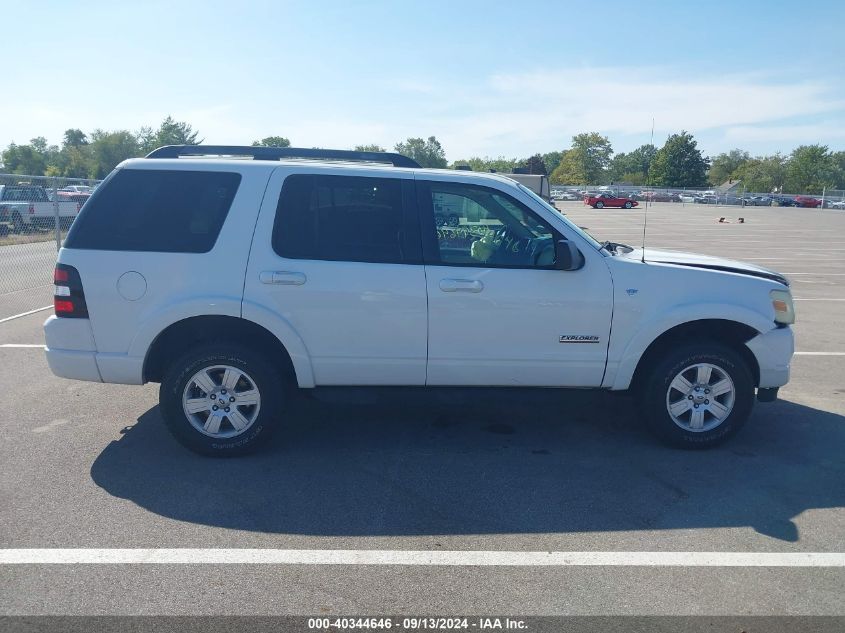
[(337, 255)]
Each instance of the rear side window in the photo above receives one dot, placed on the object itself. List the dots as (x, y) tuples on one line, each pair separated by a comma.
[(152, 210), (343, 218)]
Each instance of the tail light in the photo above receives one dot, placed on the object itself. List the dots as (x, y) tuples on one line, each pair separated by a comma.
[(31, 209), (68, 297)]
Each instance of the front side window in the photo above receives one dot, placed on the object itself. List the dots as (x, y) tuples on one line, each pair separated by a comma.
[(341, 218), (479, 226)]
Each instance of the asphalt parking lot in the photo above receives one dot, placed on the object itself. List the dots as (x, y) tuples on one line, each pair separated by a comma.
[(91, 466)]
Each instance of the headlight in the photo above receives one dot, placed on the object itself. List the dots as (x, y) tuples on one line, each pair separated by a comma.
[(783, 307)]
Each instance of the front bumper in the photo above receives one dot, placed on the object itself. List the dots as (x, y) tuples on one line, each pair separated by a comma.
[(773, 351)]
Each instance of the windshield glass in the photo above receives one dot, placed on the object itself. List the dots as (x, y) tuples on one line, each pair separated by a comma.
[(567, 221)]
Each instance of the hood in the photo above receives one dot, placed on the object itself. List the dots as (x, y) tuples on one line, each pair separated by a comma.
[(694, 260)]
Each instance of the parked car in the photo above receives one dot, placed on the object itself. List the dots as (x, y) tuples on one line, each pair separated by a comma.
[(565, 195), (25, 207), (601, 200), (234, 282), (808, 202), (838, 204), (784, 201), (658, 196), (757, 201)]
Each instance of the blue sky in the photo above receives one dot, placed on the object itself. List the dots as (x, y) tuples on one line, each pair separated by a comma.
[(486, 78)]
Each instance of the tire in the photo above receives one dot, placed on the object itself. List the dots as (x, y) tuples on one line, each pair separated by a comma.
[(453, 221), (259, 419), (17, 222), (628, 205), (599, 205), (715, 424)]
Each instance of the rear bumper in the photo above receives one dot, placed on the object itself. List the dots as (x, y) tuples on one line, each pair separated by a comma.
[(773, 351), (72, 353), (72, 364)]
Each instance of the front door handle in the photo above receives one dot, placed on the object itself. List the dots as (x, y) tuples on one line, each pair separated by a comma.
[(281, 277), (461, 285)]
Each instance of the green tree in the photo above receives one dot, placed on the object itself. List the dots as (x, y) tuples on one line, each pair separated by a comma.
[(679, 163), (633, 167), (810, 169), (488, 164), (24, 159), (369, 148), (427, 152), (551, 160), (534, 164), (272, 141), (108, 149), (586, 162), (74, 137), (724, 166), (764, 174), (170, 132)]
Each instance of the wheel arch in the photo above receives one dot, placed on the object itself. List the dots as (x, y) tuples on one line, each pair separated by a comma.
[(183, 334), (732, 333)]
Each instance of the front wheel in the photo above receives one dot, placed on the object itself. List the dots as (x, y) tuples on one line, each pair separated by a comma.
[(628, 205), (698, 395), (222, 399), (599, 205)]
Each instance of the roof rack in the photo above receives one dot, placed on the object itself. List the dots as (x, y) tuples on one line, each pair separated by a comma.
[(277, 153)]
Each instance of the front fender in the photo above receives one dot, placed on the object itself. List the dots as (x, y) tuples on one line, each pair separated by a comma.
[(621, 367)]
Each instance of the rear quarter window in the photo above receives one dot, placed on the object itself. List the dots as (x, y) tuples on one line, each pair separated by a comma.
[(155, 210)]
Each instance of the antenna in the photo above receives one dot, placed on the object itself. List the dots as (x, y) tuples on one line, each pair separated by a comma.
[(648, 190)]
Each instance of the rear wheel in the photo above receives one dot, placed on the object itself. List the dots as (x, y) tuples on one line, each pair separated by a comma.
[(222, 399), (17, 222), (599, 205), (697, 395)]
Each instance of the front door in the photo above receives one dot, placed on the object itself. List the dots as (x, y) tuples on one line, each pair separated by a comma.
[(499, 312)]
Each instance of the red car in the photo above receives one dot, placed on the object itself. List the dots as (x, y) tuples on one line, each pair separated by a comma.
[(603, 200), (808, 202)]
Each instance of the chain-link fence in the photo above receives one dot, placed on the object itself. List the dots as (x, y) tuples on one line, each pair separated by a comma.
[(737, 196), (35, 213)]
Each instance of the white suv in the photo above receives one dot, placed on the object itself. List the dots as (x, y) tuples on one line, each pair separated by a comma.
[(227, 280)]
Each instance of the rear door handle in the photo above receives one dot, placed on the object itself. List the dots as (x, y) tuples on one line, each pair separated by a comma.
[(282, 277), (461, 285)]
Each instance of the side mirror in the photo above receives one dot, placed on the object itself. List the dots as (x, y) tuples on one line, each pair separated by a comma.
[(567, 256)]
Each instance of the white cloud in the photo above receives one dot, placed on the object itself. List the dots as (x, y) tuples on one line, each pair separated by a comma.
[(510, 114), (523, 112)]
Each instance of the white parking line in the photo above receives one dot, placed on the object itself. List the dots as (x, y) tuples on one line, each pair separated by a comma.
[(23, 345), (819, 353), (23, 314), (816, 299), (191, 556)]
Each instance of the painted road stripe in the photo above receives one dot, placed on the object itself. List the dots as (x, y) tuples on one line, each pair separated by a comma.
[(23, 345), (815, 299), (414, 557), (23, 314), (819, 353)]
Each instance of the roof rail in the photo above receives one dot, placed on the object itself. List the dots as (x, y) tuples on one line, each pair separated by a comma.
[(277, 153)]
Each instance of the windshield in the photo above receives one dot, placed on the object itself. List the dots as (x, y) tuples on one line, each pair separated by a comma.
[(569, 223)]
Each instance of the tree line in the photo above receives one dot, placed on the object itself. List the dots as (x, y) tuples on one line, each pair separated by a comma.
[(588, 160)]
